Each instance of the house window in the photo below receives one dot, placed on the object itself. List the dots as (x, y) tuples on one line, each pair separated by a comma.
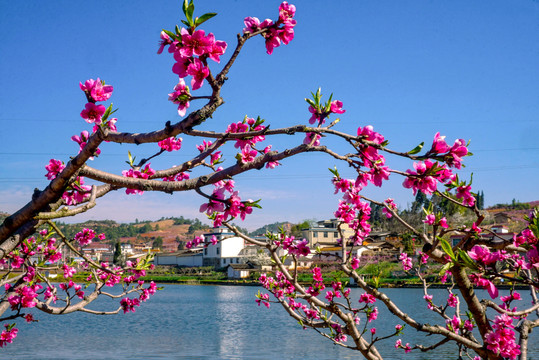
[(205, 251), (325, 234), (217, 251), (315, 234)]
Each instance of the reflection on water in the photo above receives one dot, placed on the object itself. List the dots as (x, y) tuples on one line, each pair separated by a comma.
[(213, 322)]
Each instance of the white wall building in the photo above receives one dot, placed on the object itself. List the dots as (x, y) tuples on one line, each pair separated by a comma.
[(225, 252), (183, 258)]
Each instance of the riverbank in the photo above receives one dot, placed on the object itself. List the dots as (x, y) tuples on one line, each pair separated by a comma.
[(392, 284)]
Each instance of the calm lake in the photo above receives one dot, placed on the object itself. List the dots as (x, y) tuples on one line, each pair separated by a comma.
[(211, 322)]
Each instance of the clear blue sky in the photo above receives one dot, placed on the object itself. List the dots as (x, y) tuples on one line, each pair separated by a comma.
[(410, 68)]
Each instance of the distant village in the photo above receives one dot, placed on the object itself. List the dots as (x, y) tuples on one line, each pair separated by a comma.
[(240, 258), (166, 240)]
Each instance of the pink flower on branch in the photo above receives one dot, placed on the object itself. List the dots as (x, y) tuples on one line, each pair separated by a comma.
[(96, 89), (426, 176), (205, 145), (92, 113), (525, 237), (372, 314), (439, 146), (247, 155), (199, 72), (128, 305), (110, 123), (391, 205), (463, 192), (276, 32), (263, 299), (218, 48), (456, 153), (286, 11), (501, 340), (253, 24), (196, 44), (181, 65), (170, 144), (165, 41), (54, 168), (180, 96), (82, 140), (85, 236), (144, 173), (336, 107), (479, 280), (270, 164), (428, 299), (77, 192), (313, 138), (354, 263), (379, 174), (453, 300), (367, 298), (406, 261), (7, 335)]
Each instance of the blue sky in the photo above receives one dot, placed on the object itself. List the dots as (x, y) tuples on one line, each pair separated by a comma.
[(409, 68)]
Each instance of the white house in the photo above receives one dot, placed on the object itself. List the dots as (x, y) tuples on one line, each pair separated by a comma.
[(183, 258), (225, 252), (239, 271)]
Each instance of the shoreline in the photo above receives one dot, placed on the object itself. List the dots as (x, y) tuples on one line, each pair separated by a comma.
[(256, 283)]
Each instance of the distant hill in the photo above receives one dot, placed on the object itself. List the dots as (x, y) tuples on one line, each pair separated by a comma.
[(512, 214), (172, 231), (272, 228)]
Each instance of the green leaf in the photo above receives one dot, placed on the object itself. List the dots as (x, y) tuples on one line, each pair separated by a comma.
[(385, 143), (334, 172), (169, 33), (131, 158), (203, 18), (189, 13), (254, 204), (185, 6), (447, 248), (310, 102), (186, 23), (445, 268), (107, 113), (416, 149), (463, 255), (328, 103)]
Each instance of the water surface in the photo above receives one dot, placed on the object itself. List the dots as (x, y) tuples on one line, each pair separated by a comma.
[(212, 322)]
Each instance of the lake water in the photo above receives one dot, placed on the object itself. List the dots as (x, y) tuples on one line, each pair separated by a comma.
[(211, 322)]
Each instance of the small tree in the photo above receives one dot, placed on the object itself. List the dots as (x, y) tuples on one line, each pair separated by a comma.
[(157, 243), (117, 257)]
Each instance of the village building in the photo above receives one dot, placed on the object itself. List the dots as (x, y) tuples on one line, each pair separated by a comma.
[(181, 258), (225, 252), (325, 233), (498, 233), (96, 251)]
